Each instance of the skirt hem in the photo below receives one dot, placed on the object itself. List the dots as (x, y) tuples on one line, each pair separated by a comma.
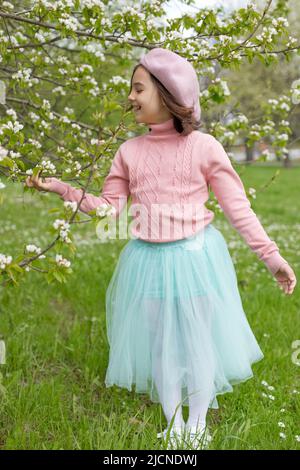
[(213, 403)]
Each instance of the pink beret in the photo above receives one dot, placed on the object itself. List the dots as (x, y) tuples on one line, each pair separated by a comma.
[(176, 74)]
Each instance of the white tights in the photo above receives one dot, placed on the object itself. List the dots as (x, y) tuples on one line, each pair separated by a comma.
[(198, 402)]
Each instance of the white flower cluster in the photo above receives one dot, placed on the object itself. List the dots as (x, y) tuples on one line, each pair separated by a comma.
[(95, 49), (64, 119), (97, 142), (62, 261), (13, 154), (105, 209), (48, 165), (33, 116), (284, 137), (229, 135), (60, 90), (3, 153), (95, 90), (106, 22), (267, 153), (77, 167), (84, 68), (7, 5), (11, 112), (35, 143), (118, 79), (24, 76), (252, 192), (34, 249), (291, 42), (238, 119), (280, 21), (92, 3), (11, 126), (267, 34), (269, 387), (2, 185), (71, 205), (280, 104), (64, 228), (222, 84), (4, 261), (295, 90), (70, 22)]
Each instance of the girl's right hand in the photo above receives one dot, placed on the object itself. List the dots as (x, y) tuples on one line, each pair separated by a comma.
[(38, 183)]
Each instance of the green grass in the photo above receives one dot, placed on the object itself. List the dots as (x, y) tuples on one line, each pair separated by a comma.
[(52, 387)]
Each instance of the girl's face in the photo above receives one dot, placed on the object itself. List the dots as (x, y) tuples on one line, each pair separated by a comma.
[(147, 104)]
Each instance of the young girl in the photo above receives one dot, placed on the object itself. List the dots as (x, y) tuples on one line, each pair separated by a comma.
[(175, 321)]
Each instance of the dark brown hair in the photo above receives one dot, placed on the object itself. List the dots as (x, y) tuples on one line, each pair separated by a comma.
[(183, 120)]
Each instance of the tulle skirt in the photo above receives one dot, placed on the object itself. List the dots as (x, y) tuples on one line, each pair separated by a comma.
[(175, 307)]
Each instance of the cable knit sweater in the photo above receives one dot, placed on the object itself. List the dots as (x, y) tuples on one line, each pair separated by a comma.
[(164, 167)]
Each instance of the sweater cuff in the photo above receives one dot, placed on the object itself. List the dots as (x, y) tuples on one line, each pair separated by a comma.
[(57, 186), (274, 262)]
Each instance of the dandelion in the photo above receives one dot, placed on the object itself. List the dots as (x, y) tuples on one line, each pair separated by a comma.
[(297, 438), (281, 424), (282, 435)]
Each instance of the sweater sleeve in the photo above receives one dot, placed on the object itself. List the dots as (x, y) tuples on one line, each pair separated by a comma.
[(230, 193), (115, 189)]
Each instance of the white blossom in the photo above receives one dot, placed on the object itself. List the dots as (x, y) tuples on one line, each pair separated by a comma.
[(48, 165), (252, 192), (4, 261), (72, 205), (62, 261), (3, 153), (33, 249)]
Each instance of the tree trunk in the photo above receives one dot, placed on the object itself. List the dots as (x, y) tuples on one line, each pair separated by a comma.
[(249, 151), (287, 163)]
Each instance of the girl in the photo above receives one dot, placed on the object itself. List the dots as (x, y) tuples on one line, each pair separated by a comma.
[(175, 321)]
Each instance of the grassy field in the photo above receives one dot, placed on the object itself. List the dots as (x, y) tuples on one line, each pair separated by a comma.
[(52, 387)]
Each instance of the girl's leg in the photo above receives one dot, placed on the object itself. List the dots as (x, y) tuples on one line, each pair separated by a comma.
[(170, 398), (198, 407)]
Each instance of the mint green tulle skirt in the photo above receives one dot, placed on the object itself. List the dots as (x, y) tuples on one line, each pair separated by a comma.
[(175, 307)]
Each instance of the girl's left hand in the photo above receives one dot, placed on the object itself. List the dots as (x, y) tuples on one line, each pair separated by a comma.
[(286, 278)]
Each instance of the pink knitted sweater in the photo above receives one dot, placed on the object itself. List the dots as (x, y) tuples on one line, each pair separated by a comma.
[(164, 167)]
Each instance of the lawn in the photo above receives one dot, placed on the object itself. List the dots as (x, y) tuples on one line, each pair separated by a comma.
[(52, 387)]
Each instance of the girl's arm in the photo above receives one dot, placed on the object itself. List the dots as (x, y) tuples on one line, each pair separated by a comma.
[(115, 189), (229, 190)]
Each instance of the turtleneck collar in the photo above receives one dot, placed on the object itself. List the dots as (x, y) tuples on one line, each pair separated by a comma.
[(162, 129)]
